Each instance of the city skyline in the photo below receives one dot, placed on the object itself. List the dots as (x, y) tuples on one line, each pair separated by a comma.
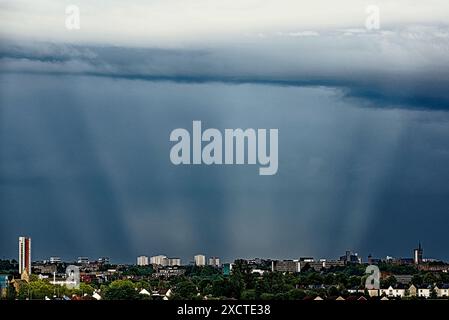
[(416, 256)]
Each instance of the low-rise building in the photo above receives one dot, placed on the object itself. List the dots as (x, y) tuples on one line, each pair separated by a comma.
[(169, 272), (55, 260), (442, 291), (403, 278), (104, 260), (424, 292), (285, 266), (398, 291), (83, 260)]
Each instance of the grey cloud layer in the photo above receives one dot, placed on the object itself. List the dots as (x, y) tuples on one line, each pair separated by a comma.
[(408, 66)]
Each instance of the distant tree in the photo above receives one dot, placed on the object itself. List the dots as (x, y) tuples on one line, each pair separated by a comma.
[(341, 279), (121, 290), (142, 271), (417, 280), (296, 294), (267, 296), (433, 293), (230, 287), (329, 279), (185, 290), (35, 290), (354, 281), (248, 294), (390, 281), (333, 291), (85, 288), (429, 279)]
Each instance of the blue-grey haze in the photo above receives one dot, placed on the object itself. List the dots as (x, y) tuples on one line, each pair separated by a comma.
[(363, 147), (85, 171)]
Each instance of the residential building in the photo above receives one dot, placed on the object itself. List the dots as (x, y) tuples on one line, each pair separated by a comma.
[(142, 261), (403, 278), (159, 260), (104, 260), (258, 271), (412, 291), (45, 268), (55, 260), (169, 272), (373, 292), (442, 291), (398, 291), (83, 260), (424, 292), (25, 255), (200, 260), (172, 262), (214, 261)]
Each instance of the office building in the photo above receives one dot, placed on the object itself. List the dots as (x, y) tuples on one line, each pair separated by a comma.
[(227, 268), (350, 257)]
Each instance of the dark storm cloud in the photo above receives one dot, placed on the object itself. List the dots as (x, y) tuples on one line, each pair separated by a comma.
[(401, 68), (85, 170)]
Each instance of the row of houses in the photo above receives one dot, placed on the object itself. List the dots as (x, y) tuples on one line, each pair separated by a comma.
[(402, 291)]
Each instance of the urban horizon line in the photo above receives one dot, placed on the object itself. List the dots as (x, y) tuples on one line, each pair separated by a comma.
[(416, 251)]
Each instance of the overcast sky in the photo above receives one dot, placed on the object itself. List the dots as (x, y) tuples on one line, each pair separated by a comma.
[(85, 117), (179, 22)]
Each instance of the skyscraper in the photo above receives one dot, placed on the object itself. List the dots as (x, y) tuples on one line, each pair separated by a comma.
[(24, 254), (417, 254)]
